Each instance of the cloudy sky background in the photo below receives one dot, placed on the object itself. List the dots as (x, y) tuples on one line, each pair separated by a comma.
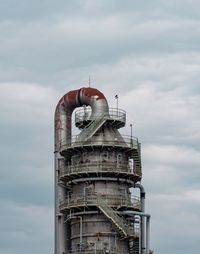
[(147, 52)]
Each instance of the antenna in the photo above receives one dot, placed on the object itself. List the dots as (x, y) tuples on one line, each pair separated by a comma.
[(89, 81)]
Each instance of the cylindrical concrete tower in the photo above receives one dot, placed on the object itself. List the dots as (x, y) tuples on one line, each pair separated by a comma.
[(95, 211)]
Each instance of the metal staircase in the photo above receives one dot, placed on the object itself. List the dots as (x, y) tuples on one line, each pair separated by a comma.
[(122, 226), (91, 128)]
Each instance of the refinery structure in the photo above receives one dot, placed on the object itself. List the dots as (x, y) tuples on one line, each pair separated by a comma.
[(96, 173)]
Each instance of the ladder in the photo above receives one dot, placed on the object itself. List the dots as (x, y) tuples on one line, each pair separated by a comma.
[(134, 245), (137, 159)]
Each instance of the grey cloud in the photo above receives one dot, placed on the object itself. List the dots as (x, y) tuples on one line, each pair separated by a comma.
[(148, 54), (176, 218), (25, 228), (23, 10), (170, 118), (171, 169), (65, 43), (27, 150), (145, 103)]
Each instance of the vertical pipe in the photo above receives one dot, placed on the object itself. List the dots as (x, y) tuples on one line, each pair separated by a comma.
[(55, 208), (62, 125), (143, 215), (95, 247), (142, 226), (81, 232), (140, 247), (143, 223), (116, 97), (131, 131), (60, 228), (115, 240), (147, 234)]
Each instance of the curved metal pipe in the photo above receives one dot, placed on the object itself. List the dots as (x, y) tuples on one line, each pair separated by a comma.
[(71, 100), (142, 195), (142, 215), (63, 114)]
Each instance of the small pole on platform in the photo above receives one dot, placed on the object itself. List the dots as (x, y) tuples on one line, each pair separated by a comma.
[(116, 97), (89, 81)]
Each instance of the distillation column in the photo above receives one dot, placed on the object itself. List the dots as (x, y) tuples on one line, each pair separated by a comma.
[(95, 211)]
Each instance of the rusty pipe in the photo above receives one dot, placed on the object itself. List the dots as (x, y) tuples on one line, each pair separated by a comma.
[(63, 114), (71, 100)]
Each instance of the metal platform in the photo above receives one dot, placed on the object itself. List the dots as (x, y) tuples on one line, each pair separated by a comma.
[(128, 144), (97, 169), (115, 118)]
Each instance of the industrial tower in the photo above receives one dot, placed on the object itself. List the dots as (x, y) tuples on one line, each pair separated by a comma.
[(95, 212)]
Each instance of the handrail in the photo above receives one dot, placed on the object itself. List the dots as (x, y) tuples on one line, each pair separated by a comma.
[(93, 252), (84, 114), (92, 199), (127, 141), (97, 166)]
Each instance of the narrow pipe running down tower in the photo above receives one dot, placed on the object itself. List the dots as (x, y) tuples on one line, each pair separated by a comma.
[(93, 174)]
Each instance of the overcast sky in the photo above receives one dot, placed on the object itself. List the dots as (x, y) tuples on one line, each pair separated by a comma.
[(147, 52)]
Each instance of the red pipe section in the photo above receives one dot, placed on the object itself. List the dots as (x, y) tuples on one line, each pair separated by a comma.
[(65, 107)]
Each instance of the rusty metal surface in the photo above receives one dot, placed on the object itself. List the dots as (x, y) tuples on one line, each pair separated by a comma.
[(104, 161)]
